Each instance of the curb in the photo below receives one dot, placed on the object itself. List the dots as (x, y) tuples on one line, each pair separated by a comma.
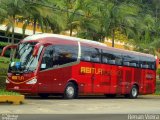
[(16, 100)]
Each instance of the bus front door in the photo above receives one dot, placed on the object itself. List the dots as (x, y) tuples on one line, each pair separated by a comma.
[(45, 81)]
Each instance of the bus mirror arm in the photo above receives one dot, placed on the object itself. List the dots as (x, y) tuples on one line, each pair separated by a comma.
[(7, 47)]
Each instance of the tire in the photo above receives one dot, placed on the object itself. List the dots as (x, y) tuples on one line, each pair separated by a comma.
[(110, 95), (43, 95), (71, 91), (134, 92)]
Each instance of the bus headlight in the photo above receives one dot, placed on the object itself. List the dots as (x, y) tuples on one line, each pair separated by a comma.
[(7, 81), (33, 81)]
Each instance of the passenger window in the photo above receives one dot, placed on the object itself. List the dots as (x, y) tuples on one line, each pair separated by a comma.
[(111, 57), (148, 63), (144, 62), (90, 54), (65, 54), (130, 60), (59, 55)]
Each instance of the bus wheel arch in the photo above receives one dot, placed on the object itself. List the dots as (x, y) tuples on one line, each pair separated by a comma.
[(71, 90), (134, 92)]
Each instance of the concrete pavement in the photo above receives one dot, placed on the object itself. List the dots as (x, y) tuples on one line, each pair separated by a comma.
[(85, 105)]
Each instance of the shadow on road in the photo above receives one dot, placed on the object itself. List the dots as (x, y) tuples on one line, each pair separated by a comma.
[(89, 97)]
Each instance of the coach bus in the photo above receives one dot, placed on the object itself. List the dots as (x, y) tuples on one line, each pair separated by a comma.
[(46, 64)]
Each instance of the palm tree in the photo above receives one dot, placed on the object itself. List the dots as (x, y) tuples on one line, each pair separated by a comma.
[(87, 24), (104, 18), (57, 19), (35, 13), (156, 8), (12, 10), (3, 12), (143, 39), (122, 16), (38, 12), (72, 9)]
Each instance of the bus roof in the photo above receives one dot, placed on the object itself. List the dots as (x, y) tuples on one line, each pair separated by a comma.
[(104, 46), (46, 35)]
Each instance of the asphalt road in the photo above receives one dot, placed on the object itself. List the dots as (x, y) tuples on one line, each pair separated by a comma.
[(148, 104)]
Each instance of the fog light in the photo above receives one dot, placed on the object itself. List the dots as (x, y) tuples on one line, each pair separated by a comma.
[(7, 81)]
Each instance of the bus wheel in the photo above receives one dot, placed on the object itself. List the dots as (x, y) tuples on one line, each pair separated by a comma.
[(71, 91), (43, 95), (134, 92)]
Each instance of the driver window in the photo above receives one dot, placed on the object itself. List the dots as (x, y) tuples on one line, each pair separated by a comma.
[(48, 57)]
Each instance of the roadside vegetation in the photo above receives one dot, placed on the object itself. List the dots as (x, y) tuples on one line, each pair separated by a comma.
[(3, 71), (4, 92), (158, 87)]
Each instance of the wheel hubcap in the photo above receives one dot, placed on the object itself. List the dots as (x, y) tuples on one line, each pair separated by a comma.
[(134, 92), (70, 91)]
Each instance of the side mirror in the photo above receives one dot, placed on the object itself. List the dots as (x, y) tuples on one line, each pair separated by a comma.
[(43, 66), (7, 47)]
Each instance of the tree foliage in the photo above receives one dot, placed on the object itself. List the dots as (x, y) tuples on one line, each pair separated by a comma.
[(136, 22)]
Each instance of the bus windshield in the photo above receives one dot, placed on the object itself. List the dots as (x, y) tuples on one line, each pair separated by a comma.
[(23, 59)]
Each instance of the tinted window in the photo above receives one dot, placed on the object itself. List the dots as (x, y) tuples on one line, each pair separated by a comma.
[(130, 60), (111, 57), (65, 54), (59, 55), (48, 57), (152, 64), (90, 54), (147, 63)]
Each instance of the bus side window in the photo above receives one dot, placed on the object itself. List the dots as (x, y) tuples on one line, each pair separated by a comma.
[(90, 54), (59, 55), (112, 62), (126, 63), (145, 66), (133, 64), (48, 58), (152, 64), (104, 60), (111, 57), (130, 60), (65, 54), (105, 57), (87, 58), (118, 58), (144, 62)]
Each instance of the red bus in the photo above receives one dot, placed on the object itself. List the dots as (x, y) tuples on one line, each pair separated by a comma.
[(46, 64)]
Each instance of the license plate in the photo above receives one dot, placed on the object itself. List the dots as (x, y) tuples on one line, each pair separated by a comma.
[(14, 77), (19, 78)]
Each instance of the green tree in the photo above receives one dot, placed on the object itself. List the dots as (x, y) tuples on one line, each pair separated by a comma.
[(88, 24), (122, 16), (36, 13), (12, 9)]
